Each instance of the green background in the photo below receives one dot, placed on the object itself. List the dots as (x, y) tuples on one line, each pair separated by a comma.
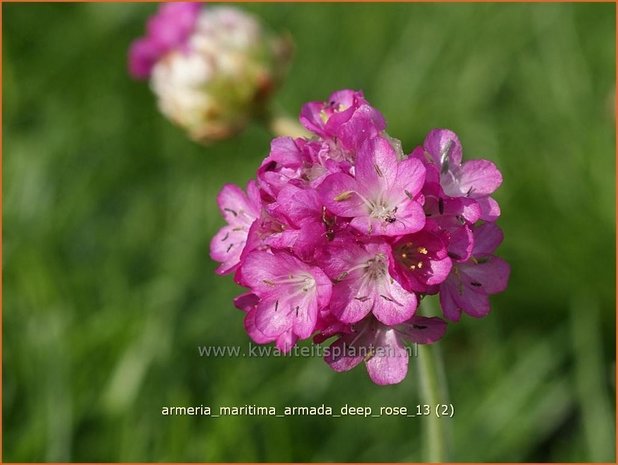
[(108, 211)]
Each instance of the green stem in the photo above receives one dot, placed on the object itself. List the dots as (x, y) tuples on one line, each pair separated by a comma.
[(433, 392)]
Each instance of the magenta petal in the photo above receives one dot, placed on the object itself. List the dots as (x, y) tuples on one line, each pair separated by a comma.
[(443, 144), (347, 351), (310, 117), (143, 55), (389, 365), (487, 238), (461, 243), (450, 308), (338, 193), (475, 304), (479, 178), (490, 210), (255, 334), (235, 206), (226, 247), (299, 205), (393, 304), (376, 165), (410, 179), (246, 302), (440, 269), (272, 317), (284, 151), (423, 330), (490, 275), (286, 341), (365, 122), (409, 219)]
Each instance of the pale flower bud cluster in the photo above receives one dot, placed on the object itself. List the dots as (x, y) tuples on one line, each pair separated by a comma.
[(212, 68)]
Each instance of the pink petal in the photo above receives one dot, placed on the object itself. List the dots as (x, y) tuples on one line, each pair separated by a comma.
[(376, 166), (423, 330), (479, 178), (440, 269), (365, 122), (338, 193), (246, 302), (489, 276), (456, 296), (226, 247), (461, 243), (143, 55), (409, 218), (490, 210), (235, 206), (348, 351), (390, 363), (310, 117), (286, 341), (255, 334), (487, 238), (410, 179), (299, 205), (450, 308), (273, 317), (438, 142), (305, 320)]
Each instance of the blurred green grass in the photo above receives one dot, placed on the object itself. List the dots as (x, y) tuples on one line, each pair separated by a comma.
[(108, 212)]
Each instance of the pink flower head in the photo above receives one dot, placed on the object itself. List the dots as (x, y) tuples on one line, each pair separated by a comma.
[(167, 30), (341, 235), (381, 198), (382, 348)]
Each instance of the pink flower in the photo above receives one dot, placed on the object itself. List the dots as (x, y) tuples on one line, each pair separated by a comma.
[(363, 285), (291, 161), (381, 347), (382, 197), (421, 260), (345, 118), (475, 179), (290, 293), (240, 211), (470, 283)]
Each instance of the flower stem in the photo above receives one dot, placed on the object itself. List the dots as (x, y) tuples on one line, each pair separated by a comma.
[(433, 392)]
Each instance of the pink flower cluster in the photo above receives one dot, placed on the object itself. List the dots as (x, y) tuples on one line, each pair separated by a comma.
[(341, 235)]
